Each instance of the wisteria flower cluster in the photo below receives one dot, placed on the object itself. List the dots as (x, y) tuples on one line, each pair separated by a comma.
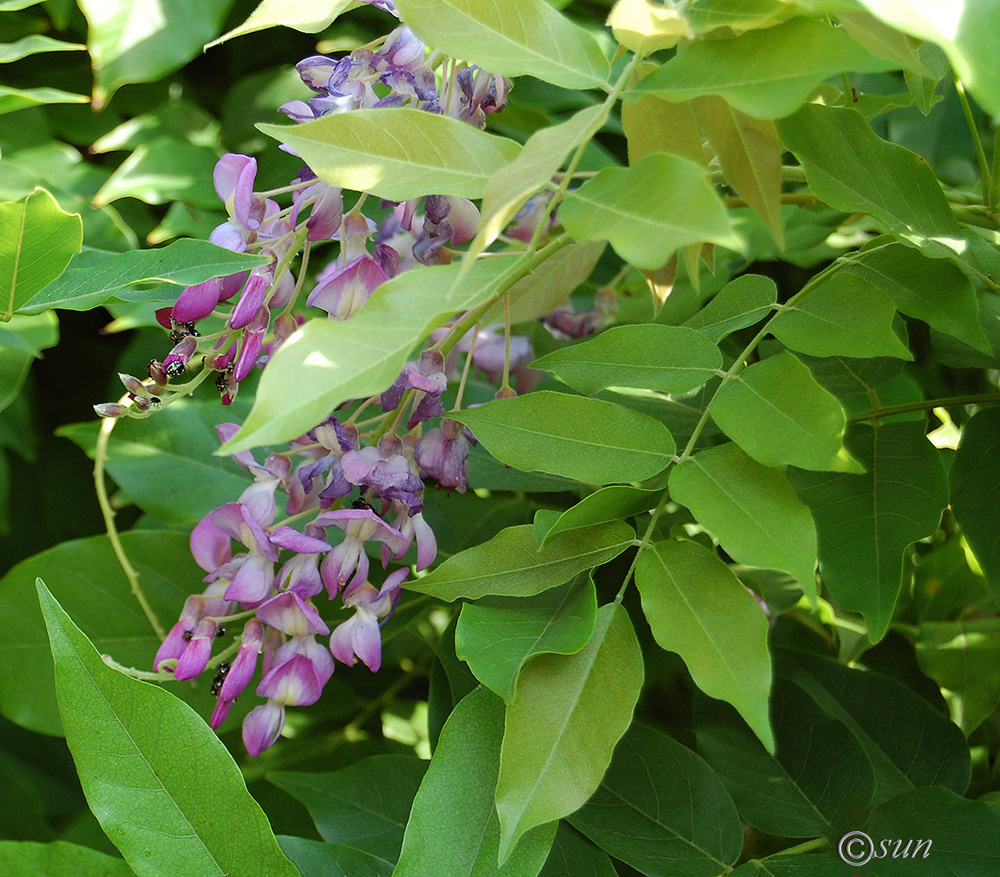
[(368, 487)]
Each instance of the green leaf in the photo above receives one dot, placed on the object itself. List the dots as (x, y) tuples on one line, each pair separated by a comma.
[(573, 856), (326, 363), (12, 99), (943, 827), (307, 16), (907, 741), (319, 859), (788, 61), (143, 40), (511, 563), (162, 171), (181, 811), (975, 480), (841, 315), (654, 125), (751, 509), (709, 15), (498, 636), (802, 789), (165, 465), (548, 286), (932, 290), (886, 42), (33, 45), (851, 168), (662, 810), (543, 155), (568, 713), (363, 806), (27, 859), (778, 414), (21, 343), (510, 38), (607, 504), (453, 827), (750, 156), (649, 210), (846, 376), (671, 359), (398, 153), (37, 240), (963, 657), (696, 607), (866, 522), (744, 302), (86, 576), (95, 276), (572, 436), (824, 864), (967, 32)]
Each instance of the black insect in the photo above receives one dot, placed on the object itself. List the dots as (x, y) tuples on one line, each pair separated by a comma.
[(175, 369), (187, 635), (180, 331), (220, 677), (361, 503), (220, 631)]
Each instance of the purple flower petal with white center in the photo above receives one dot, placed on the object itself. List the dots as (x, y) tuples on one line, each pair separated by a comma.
[(290, 614), (297, 111), (363, 525), (197, 302), (294, 682), (346, 561), (210, 546), (301, 575), (234, 178), (308, 648), (344, 292), (230, 236), (262, 727), (235, 519), (359, 636), (316, 70), (198, 651), (253, 582), (300, 543)]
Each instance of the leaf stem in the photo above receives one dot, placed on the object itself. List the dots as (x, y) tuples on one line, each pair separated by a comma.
[(108, 513), (926, 405), (984, 165), (994, 200), (805, 847)]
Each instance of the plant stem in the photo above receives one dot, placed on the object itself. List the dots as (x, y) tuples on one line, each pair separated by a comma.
[(994, 200), (984, 165), (926, 405), (806, 847), (100, 461)]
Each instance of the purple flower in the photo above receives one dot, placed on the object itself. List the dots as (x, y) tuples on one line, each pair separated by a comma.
[(194, 658), (290, 614), (386, 471), (234, 178), (253, 339), (177, 639), (360, 636), (413, 527), (348, 558), (241, 671), (262, 727), (429, 378), (294, 682), (443, 453), (344, 292), (254, 575)]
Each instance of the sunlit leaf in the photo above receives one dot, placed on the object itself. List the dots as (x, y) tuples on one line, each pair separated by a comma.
[(398, 153), (308, 16), (510, 38), (751, 509), (37, 241), (745, 301), (778, 414), (788, 61), (12, 99), (33, 45), (498, 636), (454, 818), (649, 210), (568, 713), (696, 607), (163, 811), (512, 564)]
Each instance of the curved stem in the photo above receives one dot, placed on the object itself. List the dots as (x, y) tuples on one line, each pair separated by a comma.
[(100, 461), (926, 405), (984, 165)]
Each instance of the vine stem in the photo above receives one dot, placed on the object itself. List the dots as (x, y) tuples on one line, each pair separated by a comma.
[(994, 201), (984, 165), (806, 847), (926, 405), (100, 462)]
